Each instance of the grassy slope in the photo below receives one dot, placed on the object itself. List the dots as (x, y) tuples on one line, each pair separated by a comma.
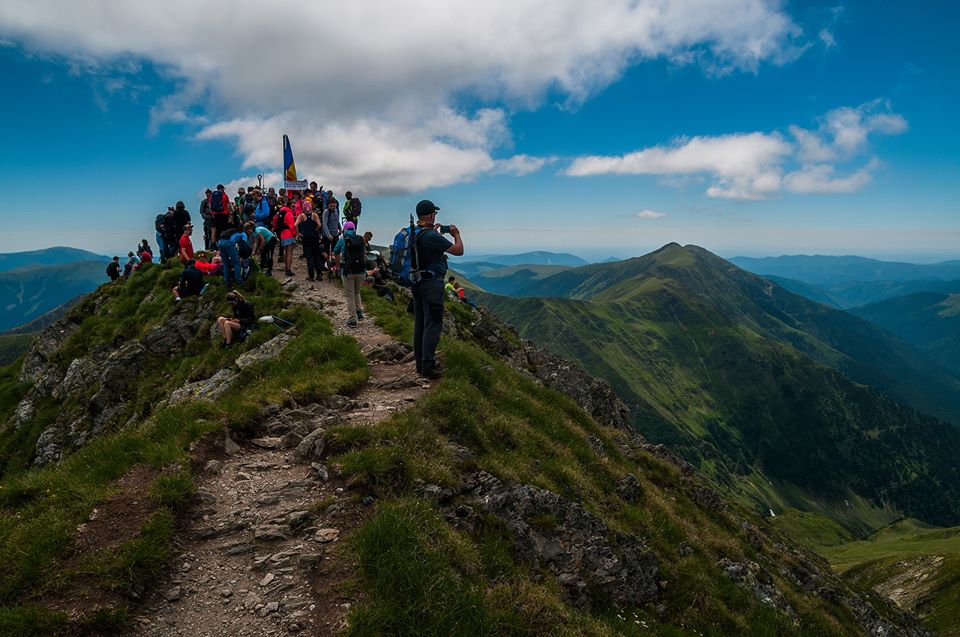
[(421, 575), (40, 509), (928, 320), (897, 550), (736, 402)]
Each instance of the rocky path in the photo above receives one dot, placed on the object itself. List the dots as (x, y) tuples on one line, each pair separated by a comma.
[(261, 554)]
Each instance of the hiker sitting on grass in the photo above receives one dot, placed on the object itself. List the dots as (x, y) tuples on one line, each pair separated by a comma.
[(191, 282), (244, 318)]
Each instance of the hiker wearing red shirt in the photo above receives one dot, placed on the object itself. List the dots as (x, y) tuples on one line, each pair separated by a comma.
[(186, 245), (219, 206)]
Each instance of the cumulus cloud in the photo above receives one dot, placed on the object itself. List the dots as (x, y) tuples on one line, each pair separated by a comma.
[(650, 214), (755, 165), (411, 94), (746, 166)]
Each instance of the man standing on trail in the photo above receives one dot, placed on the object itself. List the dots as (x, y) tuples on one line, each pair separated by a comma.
[(219, 204), (432, 249)]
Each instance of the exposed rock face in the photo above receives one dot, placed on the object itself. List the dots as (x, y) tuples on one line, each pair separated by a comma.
[(558, 534), (269, 350), (208, 389), (754, 578), (97, 388)]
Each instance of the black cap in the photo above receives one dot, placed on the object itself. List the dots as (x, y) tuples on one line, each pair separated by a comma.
[(426, 207)]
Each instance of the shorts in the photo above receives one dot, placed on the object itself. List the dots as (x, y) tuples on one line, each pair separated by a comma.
[(221, 222), (287, 242)]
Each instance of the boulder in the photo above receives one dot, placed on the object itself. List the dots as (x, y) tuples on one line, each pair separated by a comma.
[(312, 447), (208, 389), (269, 350), (559, 535)]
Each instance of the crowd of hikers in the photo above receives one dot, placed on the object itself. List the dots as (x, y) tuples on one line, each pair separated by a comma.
[(268, 226)]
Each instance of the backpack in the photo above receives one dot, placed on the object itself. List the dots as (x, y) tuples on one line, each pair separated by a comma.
[(216, 203), (262, 214), (354, 254), (404, 263), (158, 223), (249, 205), (113, 269), (280, 221), (244, 249), (354, 209)]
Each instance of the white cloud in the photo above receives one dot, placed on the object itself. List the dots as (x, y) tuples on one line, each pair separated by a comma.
[(745, 165), (753, 165), (827, 38), (820, 179), (650, 214), (383, 85)]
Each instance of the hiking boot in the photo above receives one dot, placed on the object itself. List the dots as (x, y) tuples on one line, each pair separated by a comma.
[(359, 315), (309, 278), (433, 372), (351, 323), (289, 273)]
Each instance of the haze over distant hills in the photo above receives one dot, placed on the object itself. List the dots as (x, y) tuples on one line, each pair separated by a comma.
[(48, 256), (527, 258), (820, 270)]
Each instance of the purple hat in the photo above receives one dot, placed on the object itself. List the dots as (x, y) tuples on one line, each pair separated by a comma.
[(349, 226)]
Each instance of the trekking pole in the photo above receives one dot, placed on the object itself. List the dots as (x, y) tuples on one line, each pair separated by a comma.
[(260, 181)]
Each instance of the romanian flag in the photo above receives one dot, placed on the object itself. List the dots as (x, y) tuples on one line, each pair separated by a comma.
[(289, 168)]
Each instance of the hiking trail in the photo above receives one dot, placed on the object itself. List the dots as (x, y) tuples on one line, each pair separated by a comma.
[(259, 555)]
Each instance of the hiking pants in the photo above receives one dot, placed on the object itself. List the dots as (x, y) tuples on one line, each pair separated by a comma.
[(312, 252), (231, 261), (160, 247), (266, 255), (427, 322), (351, 289), (329, 245)]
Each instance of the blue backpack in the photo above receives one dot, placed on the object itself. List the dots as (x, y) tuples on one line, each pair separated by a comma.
[(262, 215), (403, 256)]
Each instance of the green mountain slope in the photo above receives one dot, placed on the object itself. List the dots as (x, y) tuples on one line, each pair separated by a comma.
[(739, 405), (29, 293), (847, 343), (928, 320), (512, 279)]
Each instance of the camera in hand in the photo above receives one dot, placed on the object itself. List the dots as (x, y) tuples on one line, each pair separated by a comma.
[(444, 229)]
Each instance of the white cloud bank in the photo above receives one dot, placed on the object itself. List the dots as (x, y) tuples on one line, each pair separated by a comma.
[(755, 165), (372, 92), (650, 214)]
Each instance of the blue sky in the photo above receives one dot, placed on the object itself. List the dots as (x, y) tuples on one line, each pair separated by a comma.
[(745, 126)]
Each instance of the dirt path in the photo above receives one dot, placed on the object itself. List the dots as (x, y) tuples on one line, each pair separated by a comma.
[(260, 556)]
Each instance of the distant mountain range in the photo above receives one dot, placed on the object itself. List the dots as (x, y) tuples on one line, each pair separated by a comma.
[(750, 381), (527, 258), (826, 270), (48, 256)]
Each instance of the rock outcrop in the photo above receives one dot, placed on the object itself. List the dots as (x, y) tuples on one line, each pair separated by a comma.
[(551, 532)]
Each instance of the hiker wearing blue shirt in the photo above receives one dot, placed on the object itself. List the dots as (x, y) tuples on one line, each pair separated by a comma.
[(263, 243), (432, 251), (227, 244)]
